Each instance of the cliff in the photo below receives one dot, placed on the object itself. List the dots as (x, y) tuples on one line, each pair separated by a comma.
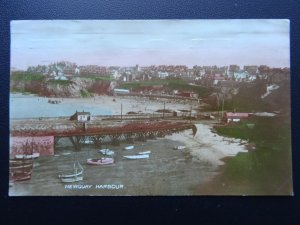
[(75, 87)]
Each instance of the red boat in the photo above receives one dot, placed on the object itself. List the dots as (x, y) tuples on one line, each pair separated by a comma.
[(21, 176), (101, 161)]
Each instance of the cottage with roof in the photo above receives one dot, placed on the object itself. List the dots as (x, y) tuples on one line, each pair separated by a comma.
[(235, 117), (81, 116)]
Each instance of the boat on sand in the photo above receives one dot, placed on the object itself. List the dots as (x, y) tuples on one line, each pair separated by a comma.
[(179, 147), (143, 156), (144, 152), (75, 175), (106, 151), (129, 147), (101, 161), (28, 156)]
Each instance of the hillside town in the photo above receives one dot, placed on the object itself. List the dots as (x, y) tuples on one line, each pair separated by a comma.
[(202, 75)]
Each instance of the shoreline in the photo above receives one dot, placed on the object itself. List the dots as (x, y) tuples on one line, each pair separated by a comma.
[(208, 147)]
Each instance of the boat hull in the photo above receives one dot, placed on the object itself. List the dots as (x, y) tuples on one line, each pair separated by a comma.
[(143, 156), (107, 152), (101, 161), (71, 179)]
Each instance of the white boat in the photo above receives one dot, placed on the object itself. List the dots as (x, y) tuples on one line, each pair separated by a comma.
[(101, 161), (77, 172), (144, 153), (179, 147), (106, 151), (144, 156), (71, 179), (30, 156), (129, 147), (87, 141)]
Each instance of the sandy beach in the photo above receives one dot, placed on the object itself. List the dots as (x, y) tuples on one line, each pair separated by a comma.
[(208, 147), (134, 103)]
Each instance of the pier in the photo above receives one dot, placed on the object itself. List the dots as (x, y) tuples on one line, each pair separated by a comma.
[(100, 130)]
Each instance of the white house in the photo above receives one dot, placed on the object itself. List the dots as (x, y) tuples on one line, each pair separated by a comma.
[(81, 116)]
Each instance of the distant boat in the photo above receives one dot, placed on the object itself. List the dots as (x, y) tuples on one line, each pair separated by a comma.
[(26, 156), (87, 141), (106, 151), (179, 147), (143, 156), (144, 153), (75, 175), (129, 147), (101, 161)]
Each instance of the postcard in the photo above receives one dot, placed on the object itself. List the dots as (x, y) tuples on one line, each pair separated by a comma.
[(150, 108)]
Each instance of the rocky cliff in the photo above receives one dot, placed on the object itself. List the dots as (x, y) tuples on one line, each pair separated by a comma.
[(75, 87)]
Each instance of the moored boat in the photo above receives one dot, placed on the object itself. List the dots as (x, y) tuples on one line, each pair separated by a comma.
[(101, 161), (27, 156), (71, 179), (129, 147), (106, 151), (143, 156), (179, 147), (75, 174), (144, 152), (21, 176)]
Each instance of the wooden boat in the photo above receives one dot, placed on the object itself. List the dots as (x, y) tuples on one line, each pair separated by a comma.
[(13, 162), (27, 166), (179, 147), (77, 172), (106, 151), (143, 156), (21, 176), (101, 161), (71, 179), (26, 156), (20, 164), (145, 152), (129, 147), (87, 141)]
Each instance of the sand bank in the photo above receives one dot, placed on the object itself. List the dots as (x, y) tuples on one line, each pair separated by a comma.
[(209, 147)]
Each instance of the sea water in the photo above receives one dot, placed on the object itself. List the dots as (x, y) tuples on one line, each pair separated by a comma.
[(31, 106)]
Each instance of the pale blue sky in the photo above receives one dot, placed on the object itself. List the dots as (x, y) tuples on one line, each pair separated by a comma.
[(150, 42)]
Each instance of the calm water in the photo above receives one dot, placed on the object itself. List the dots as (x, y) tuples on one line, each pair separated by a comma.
[(29, 106)]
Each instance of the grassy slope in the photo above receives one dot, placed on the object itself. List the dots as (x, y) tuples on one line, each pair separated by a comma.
[(172, 84), (265, 171)]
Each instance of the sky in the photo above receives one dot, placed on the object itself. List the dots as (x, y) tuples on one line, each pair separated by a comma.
[(151, 42)]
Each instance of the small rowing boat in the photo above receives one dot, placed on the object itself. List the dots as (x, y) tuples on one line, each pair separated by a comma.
[(143, 156), (31, 156), (101, 161), (71, 179), (129, 147), (144, 153), (179, 147), (106, 151), (77, 172)]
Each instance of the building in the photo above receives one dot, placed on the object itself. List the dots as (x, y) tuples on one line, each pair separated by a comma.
[(235, 117), (121, 91), (188, 94), (81, 116), (241, 75)]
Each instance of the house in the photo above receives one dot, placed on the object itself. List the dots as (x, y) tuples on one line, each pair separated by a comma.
[(240, 75), (188, 94), (235, 117), (81, 116), (217, 78), (121, 91)]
